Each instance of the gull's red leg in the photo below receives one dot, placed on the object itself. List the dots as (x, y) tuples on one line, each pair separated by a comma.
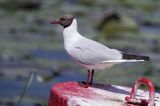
[(86, 84), (92, 77), (88, 77)]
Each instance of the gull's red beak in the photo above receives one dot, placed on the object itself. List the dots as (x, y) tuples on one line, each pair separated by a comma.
[(54, 22)]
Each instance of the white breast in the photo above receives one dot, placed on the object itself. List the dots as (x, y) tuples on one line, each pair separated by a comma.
[(71, 35)]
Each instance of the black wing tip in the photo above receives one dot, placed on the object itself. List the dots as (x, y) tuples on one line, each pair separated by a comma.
[(130, 57), (146, 58)]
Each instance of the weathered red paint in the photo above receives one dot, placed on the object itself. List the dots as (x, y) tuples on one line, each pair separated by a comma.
[(143, 102), (56, 99), (61, 91)]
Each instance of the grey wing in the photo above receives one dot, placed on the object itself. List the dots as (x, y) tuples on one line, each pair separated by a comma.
[(91, 52)]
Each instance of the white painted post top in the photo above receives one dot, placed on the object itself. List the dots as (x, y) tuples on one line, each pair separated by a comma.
[(72, 94)]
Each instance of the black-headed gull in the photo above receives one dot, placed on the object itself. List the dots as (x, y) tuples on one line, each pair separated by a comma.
[(89, 53)]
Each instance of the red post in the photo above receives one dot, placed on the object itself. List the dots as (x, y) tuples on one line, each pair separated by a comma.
[(62, 91), (72, 94)]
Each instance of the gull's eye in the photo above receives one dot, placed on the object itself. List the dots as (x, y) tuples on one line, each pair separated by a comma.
[(62, 19)]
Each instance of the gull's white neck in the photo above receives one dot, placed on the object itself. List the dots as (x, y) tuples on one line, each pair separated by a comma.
[(70, 34)]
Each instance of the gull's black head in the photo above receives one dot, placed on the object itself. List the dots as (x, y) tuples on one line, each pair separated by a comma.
[(65, 21)]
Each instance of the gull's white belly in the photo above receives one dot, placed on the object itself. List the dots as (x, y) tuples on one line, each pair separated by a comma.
[(96, 66)]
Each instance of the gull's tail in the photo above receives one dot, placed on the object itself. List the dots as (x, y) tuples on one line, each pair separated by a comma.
[(134, 57), (128, 58)]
